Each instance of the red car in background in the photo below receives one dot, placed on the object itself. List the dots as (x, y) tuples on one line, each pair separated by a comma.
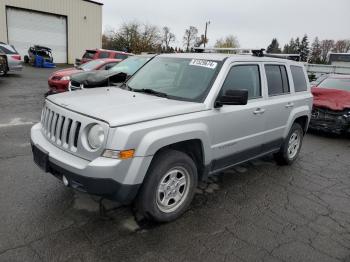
[(331, 107), (59, 80), (92, 54)]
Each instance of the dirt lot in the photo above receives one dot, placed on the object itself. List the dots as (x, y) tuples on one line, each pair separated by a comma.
[(255, 212)]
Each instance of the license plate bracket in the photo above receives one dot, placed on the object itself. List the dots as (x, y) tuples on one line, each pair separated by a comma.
[(41, 158)]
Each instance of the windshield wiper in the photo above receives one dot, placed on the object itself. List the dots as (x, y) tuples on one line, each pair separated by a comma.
[(151, 92), (125, 86)]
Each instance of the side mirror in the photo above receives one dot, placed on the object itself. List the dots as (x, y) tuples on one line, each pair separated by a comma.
[(109, 66), (233, 97), (118, 78)]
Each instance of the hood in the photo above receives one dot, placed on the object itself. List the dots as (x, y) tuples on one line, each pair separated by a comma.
[(121, 107), (333, 99), (66, 72)]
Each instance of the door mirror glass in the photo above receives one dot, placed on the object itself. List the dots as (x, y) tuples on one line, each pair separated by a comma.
[(233, 97)]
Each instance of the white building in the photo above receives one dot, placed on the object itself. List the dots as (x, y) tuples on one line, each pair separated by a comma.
[(68, 27), (339, 59)]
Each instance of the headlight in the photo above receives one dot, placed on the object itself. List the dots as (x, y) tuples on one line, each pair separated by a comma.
[(66, 78), (96, 136)]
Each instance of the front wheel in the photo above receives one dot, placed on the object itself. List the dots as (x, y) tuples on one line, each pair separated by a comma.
[(291, 146), (168, 188)]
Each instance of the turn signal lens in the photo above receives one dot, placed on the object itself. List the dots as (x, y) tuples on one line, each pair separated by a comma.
[(124, 154)]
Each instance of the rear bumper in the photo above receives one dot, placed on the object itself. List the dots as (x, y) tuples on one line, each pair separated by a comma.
[(15, 68)]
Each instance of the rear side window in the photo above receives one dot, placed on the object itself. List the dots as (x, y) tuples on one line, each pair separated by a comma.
[(103, 55), (277, 79), (244, 77), (120, 56), (298, 78)]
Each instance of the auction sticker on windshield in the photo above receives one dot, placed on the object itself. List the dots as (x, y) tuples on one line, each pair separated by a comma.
[(203, 63)]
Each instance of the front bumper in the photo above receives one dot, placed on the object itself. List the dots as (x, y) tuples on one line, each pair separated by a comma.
[(102, 176), (330, 121)]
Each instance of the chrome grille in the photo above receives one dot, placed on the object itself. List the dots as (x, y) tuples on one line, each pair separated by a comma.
[(60, 129)]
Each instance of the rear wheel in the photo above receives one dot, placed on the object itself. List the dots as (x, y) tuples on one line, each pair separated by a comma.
[(168, 188), (291, 147)]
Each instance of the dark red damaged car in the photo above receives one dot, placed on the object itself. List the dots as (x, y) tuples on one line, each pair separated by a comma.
[(331, 108), (59, 80)]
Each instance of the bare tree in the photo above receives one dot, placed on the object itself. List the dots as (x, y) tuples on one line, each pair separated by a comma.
[(326, 46), (134, 37), (167, 38), (190, 37), (342, 46), (229, 41)]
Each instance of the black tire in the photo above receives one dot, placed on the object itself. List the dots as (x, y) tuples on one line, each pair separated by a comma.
[(283, 157), (26, 59), (147, 202)]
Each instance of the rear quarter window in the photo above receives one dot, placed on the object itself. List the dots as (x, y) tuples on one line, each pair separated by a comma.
[(299, 80)]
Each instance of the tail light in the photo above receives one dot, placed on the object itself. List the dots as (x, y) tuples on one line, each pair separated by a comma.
[(17, 57)]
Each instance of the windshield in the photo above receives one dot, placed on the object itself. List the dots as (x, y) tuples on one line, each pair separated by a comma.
[(130, 65), (89, 54), (91, 65), (336, 83), (179, 78)]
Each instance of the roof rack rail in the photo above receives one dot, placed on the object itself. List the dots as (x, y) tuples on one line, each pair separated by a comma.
[(247, 51), (294, 57)]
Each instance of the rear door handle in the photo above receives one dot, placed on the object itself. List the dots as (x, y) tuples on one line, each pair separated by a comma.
[(259, 111), (289, 105)]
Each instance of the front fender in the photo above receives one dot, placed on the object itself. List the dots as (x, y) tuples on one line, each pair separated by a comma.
[(157, 139)]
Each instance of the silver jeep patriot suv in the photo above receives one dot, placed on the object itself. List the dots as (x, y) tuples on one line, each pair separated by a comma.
[(179, 119)]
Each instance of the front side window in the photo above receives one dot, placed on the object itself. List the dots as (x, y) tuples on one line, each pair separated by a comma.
[(178, 78), (103, 55), (277, 80), (92, 65), (244, 77), (298, 78)]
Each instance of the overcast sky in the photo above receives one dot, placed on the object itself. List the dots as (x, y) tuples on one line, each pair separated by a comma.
[(254, 22)]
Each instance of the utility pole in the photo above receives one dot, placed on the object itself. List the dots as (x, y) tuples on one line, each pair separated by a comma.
[(205, 33)]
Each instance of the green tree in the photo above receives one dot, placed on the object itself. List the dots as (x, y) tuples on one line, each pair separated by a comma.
[(315, 57), (273, 47), (304, 49)]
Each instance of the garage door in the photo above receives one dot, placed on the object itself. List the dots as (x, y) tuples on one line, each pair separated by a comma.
[(27, 28)]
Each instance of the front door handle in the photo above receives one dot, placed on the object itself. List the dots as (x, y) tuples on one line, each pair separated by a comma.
[(259, 111), (289, 105)]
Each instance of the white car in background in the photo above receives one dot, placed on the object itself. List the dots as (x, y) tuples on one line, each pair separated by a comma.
[(14, 59)]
